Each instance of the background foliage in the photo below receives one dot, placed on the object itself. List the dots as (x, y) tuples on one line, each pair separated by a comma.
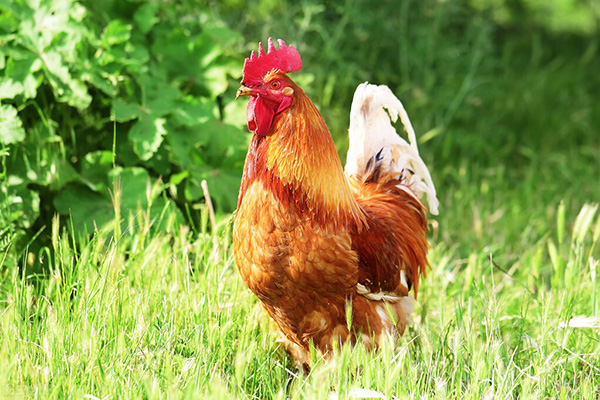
[(99, 92), (96, 93)]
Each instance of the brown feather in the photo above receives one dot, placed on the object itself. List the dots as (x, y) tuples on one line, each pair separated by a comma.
[(395, 238)]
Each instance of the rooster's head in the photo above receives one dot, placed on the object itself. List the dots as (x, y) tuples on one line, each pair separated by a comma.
[(265, 81)]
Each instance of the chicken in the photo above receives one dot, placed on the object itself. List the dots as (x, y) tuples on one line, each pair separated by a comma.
[(331, 254)]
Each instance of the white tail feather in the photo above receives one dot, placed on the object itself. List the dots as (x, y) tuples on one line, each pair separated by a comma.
[(371, 132)]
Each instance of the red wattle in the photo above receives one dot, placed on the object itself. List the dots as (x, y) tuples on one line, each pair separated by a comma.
[(250, 114), (259, 116)]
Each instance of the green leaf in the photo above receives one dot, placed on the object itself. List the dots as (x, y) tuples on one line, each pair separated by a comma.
[(147, 135), (22, 205), (8, 20), (123, 111), (176, 179), (87, 208), (134, 181), (92, 209), (226, 145), (137, 191), (21, 69), (235, 114), (101, 79), (9, 88), (145, 17), (193, 111), (162, 97), (74, 92), (60, 172), (11, 127), (95, 168), (116, 32), (185, 145), (160, 161), (223, 185), (222, 34)]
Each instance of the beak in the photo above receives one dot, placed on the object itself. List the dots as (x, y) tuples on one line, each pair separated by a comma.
[(243, 91)]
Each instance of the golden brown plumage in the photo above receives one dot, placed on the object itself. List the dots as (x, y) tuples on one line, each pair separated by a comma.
[(310, 240)]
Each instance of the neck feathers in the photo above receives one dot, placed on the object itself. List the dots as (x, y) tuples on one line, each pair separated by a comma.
[(298, 161)]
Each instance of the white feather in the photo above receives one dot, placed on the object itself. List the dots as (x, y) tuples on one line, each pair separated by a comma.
[(379, 296), (371, 131), (403, 279)]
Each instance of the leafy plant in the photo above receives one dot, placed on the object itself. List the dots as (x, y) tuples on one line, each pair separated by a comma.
[(91, 94)]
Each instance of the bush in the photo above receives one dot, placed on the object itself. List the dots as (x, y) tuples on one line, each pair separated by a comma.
[(98, 93)]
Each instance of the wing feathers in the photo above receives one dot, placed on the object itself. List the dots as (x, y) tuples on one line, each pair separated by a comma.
[(389, 178), (372, 135)]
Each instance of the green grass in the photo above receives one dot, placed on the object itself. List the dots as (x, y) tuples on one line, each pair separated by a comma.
[(157, 314)]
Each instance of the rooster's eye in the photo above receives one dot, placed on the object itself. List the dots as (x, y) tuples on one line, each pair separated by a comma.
[(275, 84)]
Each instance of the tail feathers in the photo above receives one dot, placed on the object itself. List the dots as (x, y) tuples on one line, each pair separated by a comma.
[(375, 144)]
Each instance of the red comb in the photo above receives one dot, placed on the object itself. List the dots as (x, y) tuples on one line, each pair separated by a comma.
[(286, 58)]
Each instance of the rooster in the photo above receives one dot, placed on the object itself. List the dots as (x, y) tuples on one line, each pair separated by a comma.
[(331, 254)]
